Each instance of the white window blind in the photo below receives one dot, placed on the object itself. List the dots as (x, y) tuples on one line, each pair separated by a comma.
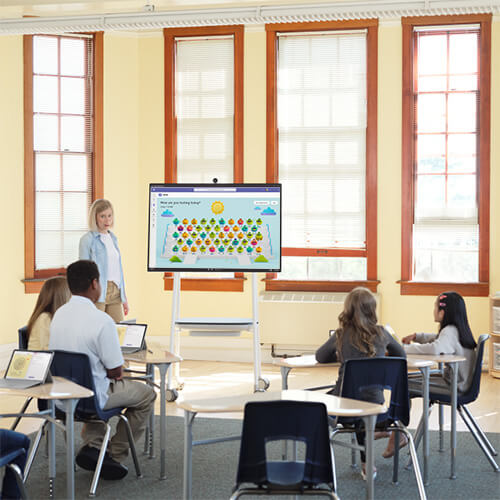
[(204, 106), (446, 226), (322, 120), (62, 144)]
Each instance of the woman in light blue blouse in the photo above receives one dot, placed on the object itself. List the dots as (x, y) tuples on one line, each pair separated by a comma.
[(100, 245)]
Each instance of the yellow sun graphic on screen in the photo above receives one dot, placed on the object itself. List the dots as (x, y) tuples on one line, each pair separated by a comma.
[(217, 207)]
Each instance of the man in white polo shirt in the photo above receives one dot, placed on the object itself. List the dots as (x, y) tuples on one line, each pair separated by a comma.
[(80, 327)]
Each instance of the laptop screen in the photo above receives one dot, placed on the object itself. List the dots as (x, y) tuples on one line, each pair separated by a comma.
[(29, 365), (131, 335)]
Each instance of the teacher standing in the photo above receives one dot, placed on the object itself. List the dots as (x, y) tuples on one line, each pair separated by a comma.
[(100, 245)]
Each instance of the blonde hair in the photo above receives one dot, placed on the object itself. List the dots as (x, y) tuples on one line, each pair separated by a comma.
[(54, 293), (360, 318), (96, 208)]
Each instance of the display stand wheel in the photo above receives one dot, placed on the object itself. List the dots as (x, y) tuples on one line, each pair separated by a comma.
[(263, 384), (171, 395)]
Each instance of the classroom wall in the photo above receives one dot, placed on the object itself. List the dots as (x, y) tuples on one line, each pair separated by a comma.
[(134, 157)]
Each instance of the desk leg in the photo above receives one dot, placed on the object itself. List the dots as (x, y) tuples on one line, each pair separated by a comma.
[(69, 408), (188, 453), (163, 368), (370, 430), (150, 438), (425, 414), (285, 370), (52, 448), (453, 437)]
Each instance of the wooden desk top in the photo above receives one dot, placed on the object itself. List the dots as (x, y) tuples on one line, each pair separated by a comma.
[(153, 355), (307, 361), (59, 388), (342, 407)]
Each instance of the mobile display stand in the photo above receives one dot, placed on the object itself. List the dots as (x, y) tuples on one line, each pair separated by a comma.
[(205, 326)]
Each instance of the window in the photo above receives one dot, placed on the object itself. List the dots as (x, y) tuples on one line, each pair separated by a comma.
[(204, 119), (446, 155), (322, 91), (63, 148)]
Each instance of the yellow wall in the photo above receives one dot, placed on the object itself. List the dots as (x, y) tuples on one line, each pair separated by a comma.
[(134, 157)]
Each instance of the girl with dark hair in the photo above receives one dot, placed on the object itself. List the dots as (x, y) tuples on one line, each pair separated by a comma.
[(454, 337), (359, 336)]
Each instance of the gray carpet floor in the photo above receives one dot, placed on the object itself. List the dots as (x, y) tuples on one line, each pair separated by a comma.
[(214, 470)]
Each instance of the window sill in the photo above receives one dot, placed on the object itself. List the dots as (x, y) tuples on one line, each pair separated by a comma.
[(207, 284), (33, 285), (274, 285), (425, 288)]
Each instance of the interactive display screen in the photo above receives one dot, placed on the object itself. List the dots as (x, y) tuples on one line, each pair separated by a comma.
[(214, 227)]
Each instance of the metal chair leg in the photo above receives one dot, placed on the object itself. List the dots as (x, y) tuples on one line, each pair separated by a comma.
[(478, 429), (19, 479), (33, 450), (416, 467), (100, 460), (133, 451), (441, 420)]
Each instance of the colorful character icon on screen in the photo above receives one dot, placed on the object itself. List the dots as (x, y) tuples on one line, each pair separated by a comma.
[(230, 235), (194, 249), (189, 242), (217, 242), (194, 222), (212, 221), (190, 228), (174, 258), (227, 228), (236, 228), (235, 242), (208, 241), (258, 222), (203, 221), (185, 248), (249, 221), (240, 222), (230, 249), (258, 236), (203, 235), (221, 249), (180, 241), (240, 250), (199, 241), (175, 234), (260, 258), (212, 249), (203, 249), (258, 249), (216, 228), (244, 242), (254, 229), (185, 234), (180, 227), (226, 241), (249, 249), (230, 222), (176, 221), (208, 227), (185, 221), (212, 235), (199, 228), (221, 235), (194, 234), (244, 229), (175, 248), (222, 221), (254, 243)]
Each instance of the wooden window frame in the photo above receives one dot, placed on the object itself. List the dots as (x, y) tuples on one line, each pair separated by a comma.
[(33, 279), (272, 163), (407, 286), (233, 284)]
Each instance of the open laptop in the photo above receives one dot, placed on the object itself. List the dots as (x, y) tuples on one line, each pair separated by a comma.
[(27, 368), (131, 336)]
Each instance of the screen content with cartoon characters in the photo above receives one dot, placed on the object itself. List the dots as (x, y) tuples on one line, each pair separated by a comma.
[(214, 227)]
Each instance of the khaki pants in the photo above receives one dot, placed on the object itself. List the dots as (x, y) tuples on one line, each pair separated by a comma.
[(138, 398), (113, 302)]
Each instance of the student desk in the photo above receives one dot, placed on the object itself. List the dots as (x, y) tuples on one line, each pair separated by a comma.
[(288, 364), (69, 394), (162, 359), (335, 405), (423, 362)]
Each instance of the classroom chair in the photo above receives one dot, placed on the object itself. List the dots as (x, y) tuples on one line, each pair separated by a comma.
[(386, 373), (76, 367), (271, 421), (464, 398), (8, 459)]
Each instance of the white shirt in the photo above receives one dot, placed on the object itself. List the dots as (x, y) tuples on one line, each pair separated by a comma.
[(113, 259), (80, 327)]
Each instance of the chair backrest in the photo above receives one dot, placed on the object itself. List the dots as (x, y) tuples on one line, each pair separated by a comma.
[(75, 366), (472, 392), (365, 378), (279, 420), (22, 335)]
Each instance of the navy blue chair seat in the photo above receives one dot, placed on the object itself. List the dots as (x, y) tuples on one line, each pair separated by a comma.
[(268, 421), (7, 460)]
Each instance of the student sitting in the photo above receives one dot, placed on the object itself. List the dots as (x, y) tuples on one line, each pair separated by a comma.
[(79, 326)]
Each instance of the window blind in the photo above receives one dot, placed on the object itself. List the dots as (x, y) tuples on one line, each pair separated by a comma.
[(62, 144), (446, 225), (322, 138)]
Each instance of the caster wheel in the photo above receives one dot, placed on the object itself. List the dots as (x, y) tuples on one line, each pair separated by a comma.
[(171, 395), (263, 384)]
